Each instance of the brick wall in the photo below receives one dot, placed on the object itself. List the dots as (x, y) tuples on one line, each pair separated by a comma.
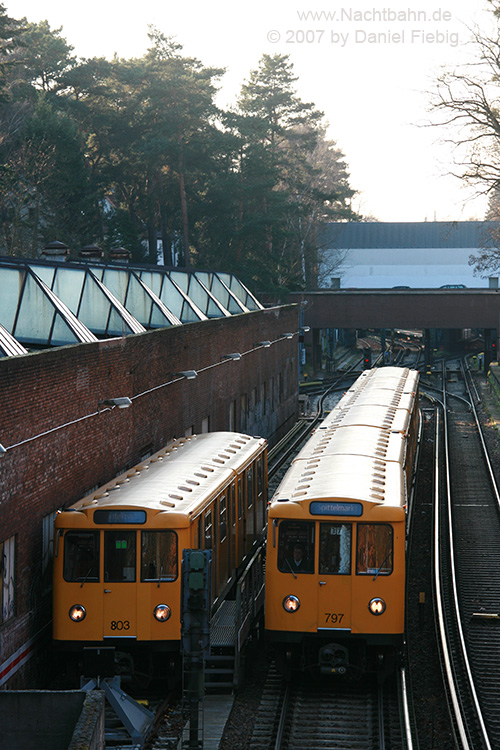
[(56, 394)]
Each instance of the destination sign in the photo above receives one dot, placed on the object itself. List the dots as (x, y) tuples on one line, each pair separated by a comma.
[(332, 508), (120, 516)]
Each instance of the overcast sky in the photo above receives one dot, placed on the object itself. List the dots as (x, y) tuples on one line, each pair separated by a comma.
[(367, 66)]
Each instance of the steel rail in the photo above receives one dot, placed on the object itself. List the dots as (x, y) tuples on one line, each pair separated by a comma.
[(463, 648)]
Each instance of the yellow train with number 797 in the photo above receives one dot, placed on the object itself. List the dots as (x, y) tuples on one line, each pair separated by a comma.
[(335, 558)]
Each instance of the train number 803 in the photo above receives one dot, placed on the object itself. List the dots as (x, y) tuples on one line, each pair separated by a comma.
[(120, 625)]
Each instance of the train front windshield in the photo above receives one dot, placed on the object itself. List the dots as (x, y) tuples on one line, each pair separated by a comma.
[(297, 548), (158, 555)]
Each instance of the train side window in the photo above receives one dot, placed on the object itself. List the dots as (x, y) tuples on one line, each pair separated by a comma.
[(222, 518), (158, 556), (81, 556), (119, 556), (260, 475), (240, 498), (374, 549), (232, 500), (208, 530), (249, 474), (335, 548), (296, 547)]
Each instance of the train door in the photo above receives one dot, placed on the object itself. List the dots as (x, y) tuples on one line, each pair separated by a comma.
[(335, 576), (120, 575)]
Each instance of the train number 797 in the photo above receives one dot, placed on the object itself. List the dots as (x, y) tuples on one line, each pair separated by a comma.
[(332, 618)]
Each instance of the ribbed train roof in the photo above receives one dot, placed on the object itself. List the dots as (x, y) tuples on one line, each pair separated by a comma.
[(358, 451), (181, 477)]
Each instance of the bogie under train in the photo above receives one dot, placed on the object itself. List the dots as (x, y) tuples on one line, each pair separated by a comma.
[(335, 569)]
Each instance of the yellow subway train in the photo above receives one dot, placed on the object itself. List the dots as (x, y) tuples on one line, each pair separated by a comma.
[(118, 551), (336, 538)]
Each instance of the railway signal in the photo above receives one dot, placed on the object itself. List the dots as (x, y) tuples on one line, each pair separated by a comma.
[(367, 358)]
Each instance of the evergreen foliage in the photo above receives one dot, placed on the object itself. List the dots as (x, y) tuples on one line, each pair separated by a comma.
[(131, 151)]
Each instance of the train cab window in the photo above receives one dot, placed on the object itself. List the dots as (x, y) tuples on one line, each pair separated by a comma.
[(208, 530), (296, 547), (222, 518), (81, 556), (335, 548), (119, 555), (158, 556), (374, 550)]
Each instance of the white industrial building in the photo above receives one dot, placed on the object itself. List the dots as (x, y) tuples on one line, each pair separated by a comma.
[(383, 255)]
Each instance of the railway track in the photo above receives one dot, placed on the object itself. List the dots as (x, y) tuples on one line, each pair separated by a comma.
[(467, 577), (318, 714)]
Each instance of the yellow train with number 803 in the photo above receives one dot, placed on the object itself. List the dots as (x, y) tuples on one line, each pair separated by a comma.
[(335, 558), (118, 551)]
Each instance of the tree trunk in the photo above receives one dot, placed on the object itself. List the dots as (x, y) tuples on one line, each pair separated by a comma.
[(182, 187)]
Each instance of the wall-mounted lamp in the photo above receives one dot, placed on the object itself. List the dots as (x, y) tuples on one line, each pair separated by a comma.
[(234, 355), (188, 374), (305, 329), (123, 402), (3, 450), (265, 344), (287, 335)]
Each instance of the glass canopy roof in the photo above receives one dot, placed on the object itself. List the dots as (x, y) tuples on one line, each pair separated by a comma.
[(49, 303)]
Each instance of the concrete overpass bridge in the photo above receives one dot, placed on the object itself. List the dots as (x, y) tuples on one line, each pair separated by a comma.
[(422, 309)]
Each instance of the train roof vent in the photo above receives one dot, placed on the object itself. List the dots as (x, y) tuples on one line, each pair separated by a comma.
[(192, 481), (175, 497), (235, 445), (182, 488), (208, 468), (165, 502), (199, 474), (376, 494)]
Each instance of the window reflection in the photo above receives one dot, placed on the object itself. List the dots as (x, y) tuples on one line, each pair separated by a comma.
[(158, 556), (296, 547), (81, 556), (374, 553), (335, 548)]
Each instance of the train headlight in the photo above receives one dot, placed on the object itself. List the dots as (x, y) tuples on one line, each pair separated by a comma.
[(162, 612), (77, 613), (377, 606), (291, 603)]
